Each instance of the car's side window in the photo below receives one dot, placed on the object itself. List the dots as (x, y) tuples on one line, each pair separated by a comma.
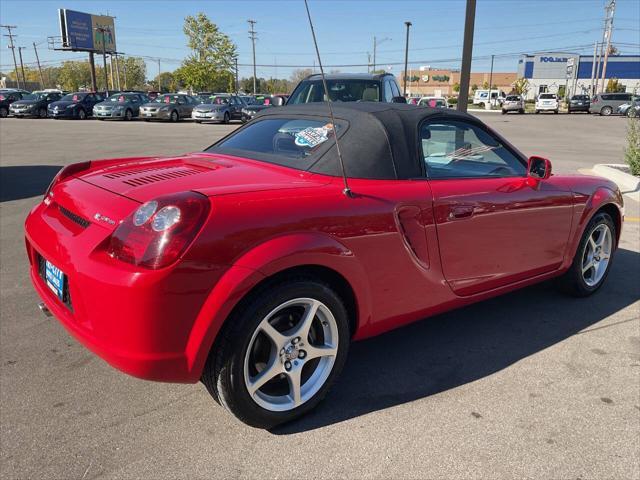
[(388, 94), (395, 90), (457, 149)]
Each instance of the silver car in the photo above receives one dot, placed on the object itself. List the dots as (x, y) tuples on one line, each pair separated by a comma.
[(220, 108), (169, 106), (513, 103)]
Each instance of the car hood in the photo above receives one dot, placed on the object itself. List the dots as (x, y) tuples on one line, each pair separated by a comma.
[(212, 106), (143, 179), (257, 108), (157, 104), (26, 102), (62, 104), (112, 104)]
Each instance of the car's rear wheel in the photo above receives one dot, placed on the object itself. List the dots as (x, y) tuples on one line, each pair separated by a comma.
[(128, 115), (82, 114), (3, 112), (280, 352), (174, 116), (593, 258), (606, 111), (42, 113), (631, 113), (504, 112), (521, 111), (227, 118)]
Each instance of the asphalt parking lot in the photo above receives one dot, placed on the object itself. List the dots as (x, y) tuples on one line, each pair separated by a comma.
[(529, 385)]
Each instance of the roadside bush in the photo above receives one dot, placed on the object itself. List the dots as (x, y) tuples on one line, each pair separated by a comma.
[(632, 152), (452, 101)]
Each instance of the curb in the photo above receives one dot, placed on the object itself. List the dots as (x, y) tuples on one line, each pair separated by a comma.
[(627, 182)]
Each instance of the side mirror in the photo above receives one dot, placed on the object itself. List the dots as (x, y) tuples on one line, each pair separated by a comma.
[(539, 168), (398, 100), (277, 101)]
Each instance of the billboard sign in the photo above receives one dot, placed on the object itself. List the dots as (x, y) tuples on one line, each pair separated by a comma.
[(86, 32)]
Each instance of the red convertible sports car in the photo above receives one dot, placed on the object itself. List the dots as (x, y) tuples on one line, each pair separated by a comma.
[(249, 267)]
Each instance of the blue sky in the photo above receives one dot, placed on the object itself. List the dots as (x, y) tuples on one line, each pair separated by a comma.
[(345, 30)]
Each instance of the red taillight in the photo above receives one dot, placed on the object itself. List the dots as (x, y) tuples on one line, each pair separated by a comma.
[(67, 172), (158, 236)]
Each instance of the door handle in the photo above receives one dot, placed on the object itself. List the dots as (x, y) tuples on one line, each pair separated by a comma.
[(461, 211)]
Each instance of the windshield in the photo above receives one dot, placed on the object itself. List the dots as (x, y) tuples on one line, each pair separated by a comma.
[(292, 142), (74, 97), (119, 98), (433, 102), (35, 96), (580, 97), (512, 98), (548, 96), (339, 91), (167, 98), (220, 100)]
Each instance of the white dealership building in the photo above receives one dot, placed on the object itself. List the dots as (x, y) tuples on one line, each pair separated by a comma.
[(547, 72)]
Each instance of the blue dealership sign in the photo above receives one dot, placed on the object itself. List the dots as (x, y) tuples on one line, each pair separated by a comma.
[(79, 30)]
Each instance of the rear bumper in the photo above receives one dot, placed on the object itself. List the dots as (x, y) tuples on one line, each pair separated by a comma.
[(543, 108), (139, 321)]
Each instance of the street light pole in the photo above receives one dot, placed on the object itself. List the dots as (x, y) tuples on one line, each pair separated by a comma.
[(406, 60), (467, 51), (252, 36), (490, 106)]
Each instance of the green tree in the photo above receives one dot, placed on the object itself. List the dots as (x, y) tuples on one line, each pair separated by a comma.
[(632, 152), (456, 87), (614, 86), (74, 75), (212, 57), (474, 87), (521, 86), (133, 72), (300, 74)]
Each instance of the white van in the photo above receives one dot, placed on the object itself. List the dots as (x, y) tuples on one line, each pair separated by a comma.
[(480, 97)]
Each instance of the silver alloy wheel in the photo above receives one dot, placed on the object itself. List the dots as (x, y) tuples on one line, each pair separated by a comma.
[(291, 354), (596, 255)]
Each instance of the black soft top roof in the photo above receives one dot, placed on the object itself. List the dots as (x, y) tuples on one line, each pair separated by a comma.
[(381, 141)]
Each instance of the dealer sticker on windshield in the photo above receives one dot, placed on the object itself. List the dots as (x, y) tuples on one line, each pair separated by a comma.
[(311, 137)]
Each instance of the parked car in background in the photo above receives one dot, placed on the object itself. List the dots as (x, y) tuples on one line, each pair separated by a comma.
[(7, 97), (513, 103), (169, 106), (34, 104), (219, 108), (75, 105), (345, 87), (481, 97), (434, 102), (260, 103), (248, 266), (630, 109), (579, 103), (608, 103), (124, 106), (547, 102)]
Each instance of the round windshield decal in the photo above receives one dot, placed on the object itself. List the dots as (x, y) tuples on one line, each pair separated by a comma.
[(311, 137)]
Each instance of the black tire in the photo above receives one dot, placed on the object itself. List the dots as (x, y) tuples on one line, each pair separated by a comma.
[(521, 111), (223, 374), (631, 113), (4, 113), (198, 121), (606, 111), (82, 115), (174, 117), (42, 113), (504, 112), (128, 115), (537, 112), (147, 119), (572, 282), (227, 118)]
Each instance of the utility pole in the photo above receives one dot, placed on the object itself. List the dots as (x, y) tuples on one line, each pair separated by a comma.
[(253, 37), (92, 70), (489, 105), (35, 49), (113, 84), (610, 11), (236, 61), (124, 71), (12, 47), (467, 51), (24, 79), (593, 69), (377, 42), (406, 60), (117, 71), (159, 85)]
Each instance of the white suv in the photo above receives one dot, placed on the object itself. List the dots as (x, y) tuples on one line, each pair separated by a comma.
[(547, 102)]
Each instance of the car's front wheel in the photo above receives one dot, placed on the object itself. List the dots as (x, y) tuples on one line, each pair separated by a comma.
[(593, 258), (280, 352), (174, 117), (4, 112), (606, 111), (631, 113), (42, 113), (82, 115)]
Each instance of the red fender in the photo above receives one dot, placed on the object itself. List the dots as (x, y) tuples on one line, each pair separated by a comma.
[(273, 256)]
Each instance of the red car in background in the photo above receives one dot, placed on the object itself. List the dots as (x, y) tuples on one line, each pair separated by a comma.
[(250, 267)]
